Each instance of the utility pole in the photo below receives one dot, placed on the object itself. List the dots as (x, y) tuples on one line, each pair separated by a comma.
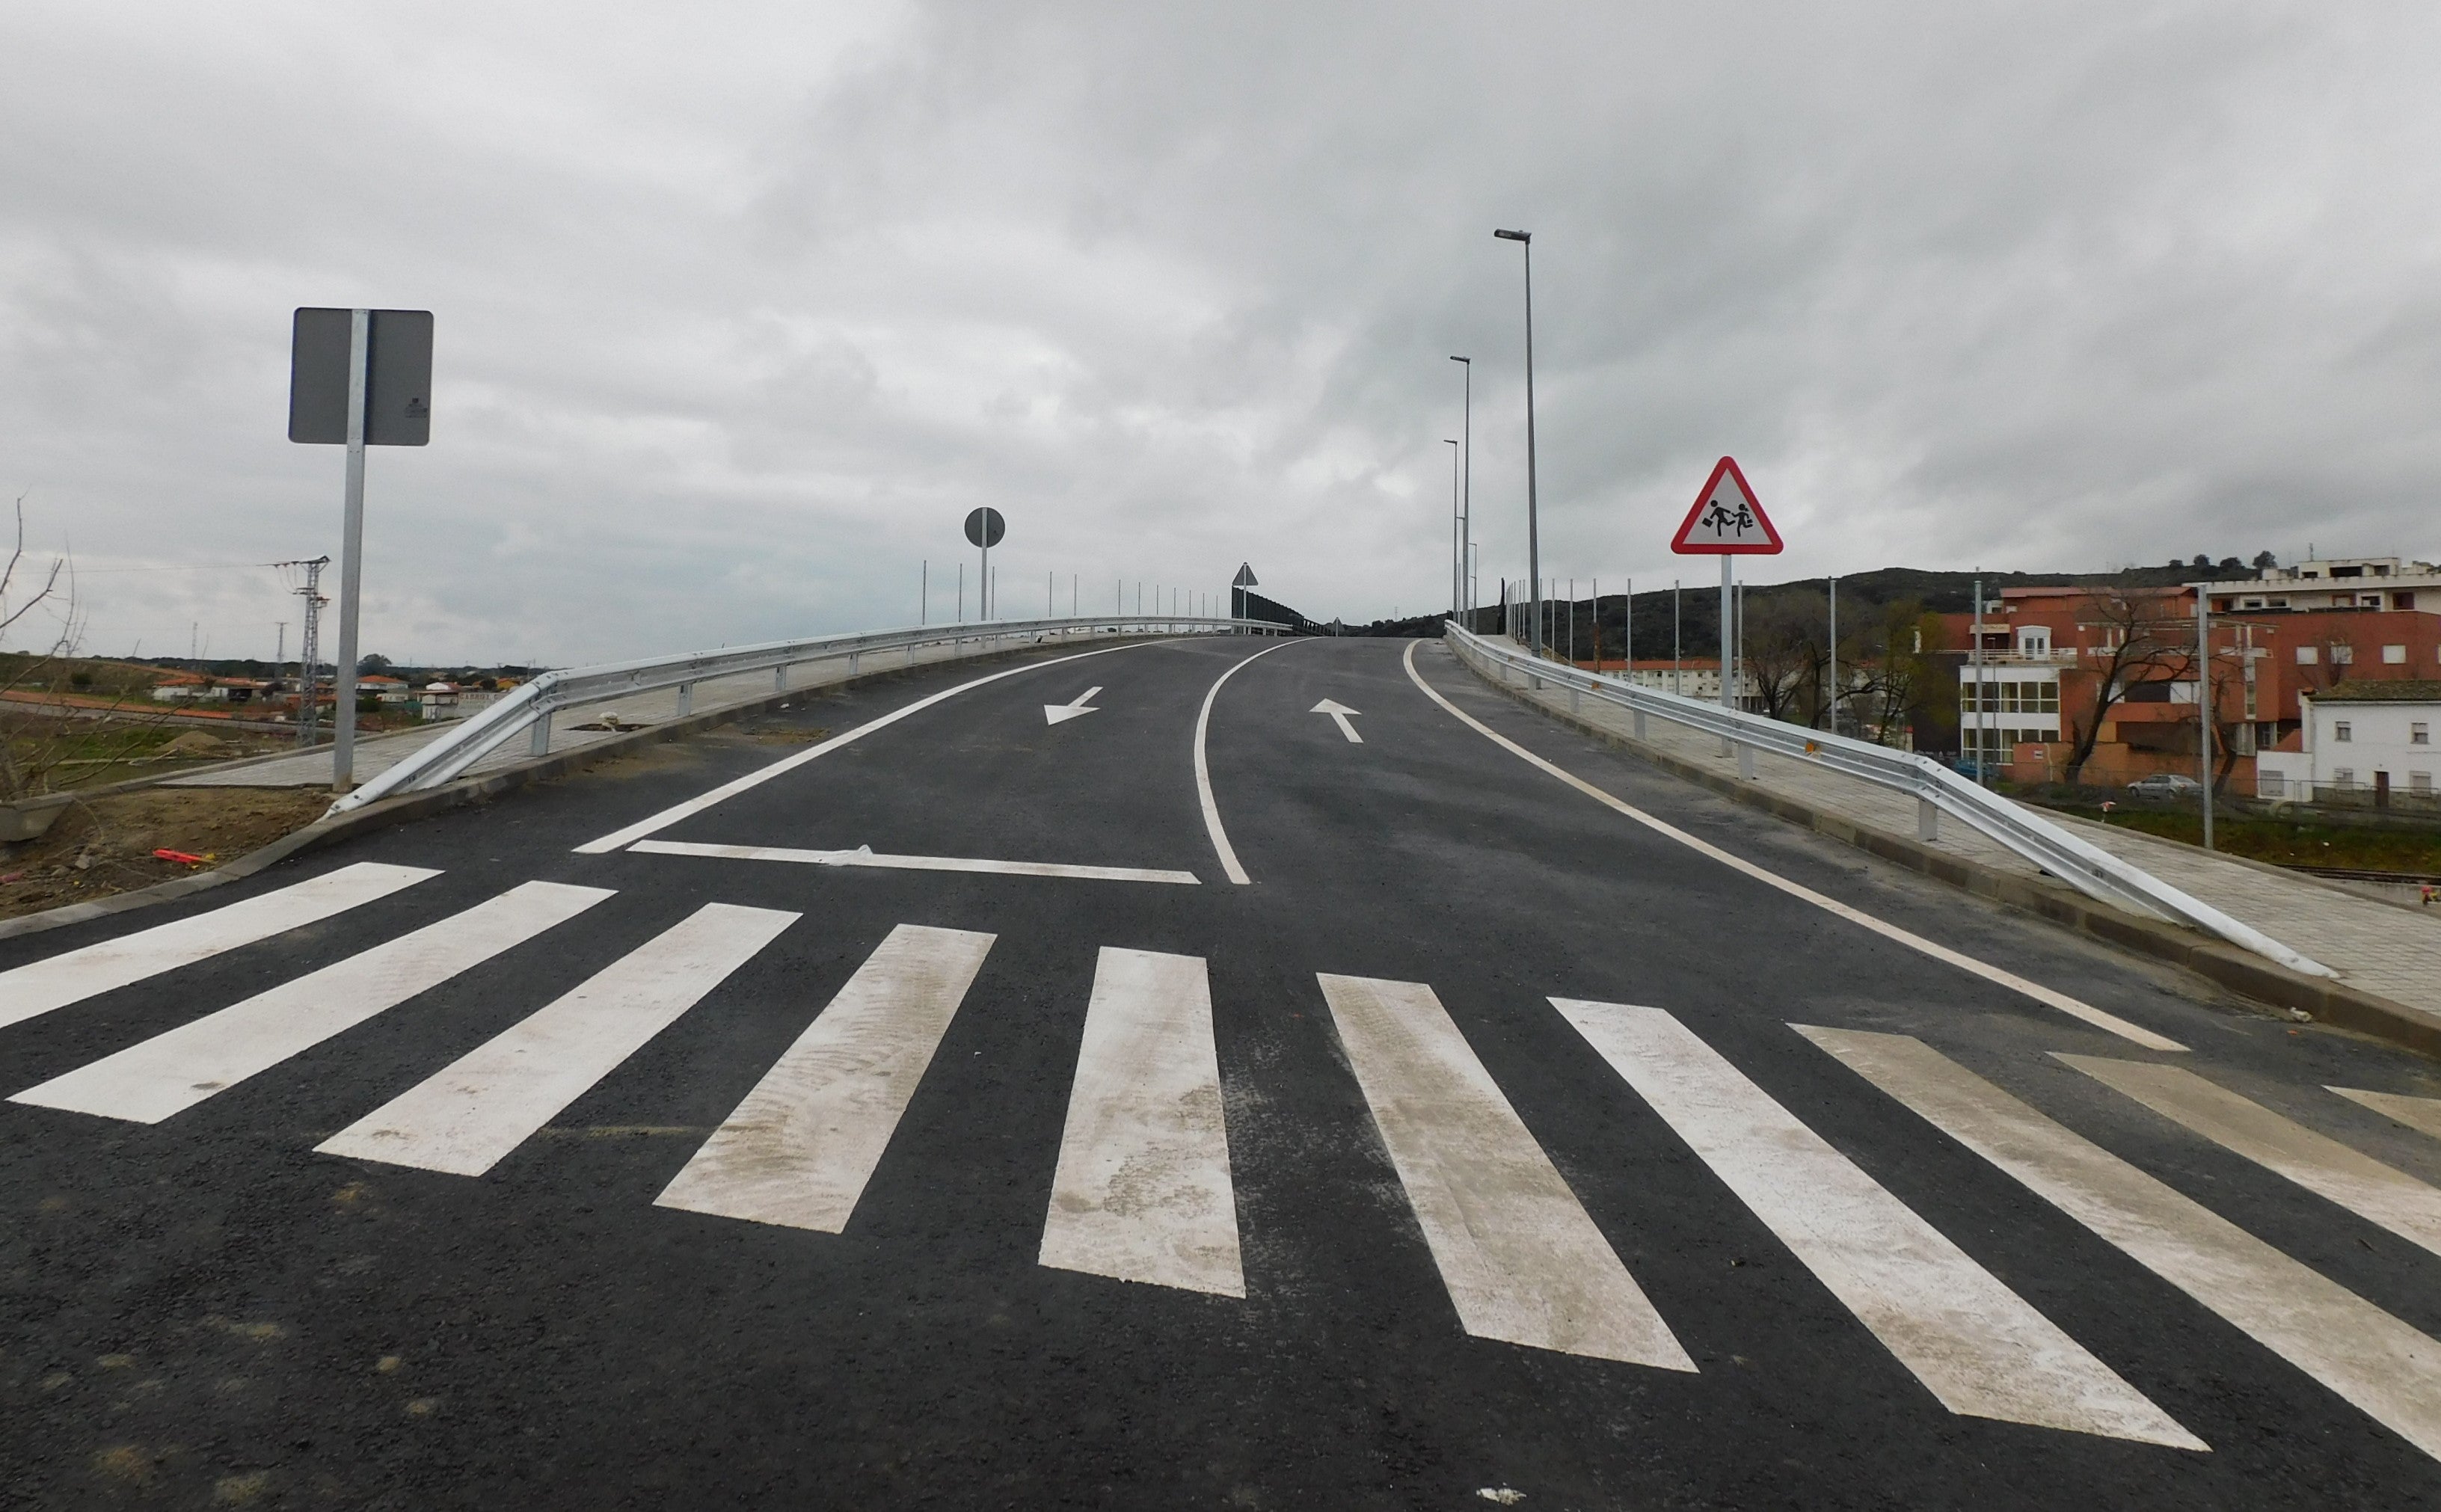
[(1834, 654), (1533, 528), (1975, 649), (2204, 702), (309, 650)]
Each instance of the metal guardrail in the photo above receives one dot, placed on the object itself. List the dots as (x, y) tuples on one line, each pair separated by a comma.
[(2085, 867), (527, 709)]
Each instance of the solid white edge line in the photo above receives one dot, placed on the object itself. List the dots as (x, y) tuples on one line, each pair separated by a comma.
[(1203, 773), (2099, 1019), (912, 863), (620, 839)]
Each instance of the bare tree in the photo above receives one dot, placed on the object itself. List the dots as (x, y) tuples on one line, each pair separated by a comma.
[(2144, 636), (1784, 655), (1892, 674)]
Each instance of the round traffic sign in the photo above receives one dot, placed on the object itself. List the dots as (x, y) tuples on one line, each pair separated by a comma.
[(985, 527)]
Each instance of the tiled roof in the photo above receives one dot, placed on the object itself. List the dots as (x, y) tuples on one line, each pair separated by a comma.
[(2384, 691)]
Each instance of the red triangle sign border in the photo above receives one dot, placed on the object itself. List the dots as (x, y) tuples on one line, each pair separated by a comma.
[(1771, 543)]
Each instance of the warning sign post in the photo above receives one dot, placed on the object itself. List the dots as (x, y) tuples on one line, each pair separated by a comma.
[(1726, 520)]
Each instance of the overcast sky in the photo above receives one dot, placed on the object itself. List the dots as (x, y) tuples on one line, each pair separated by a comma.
[(741, 307)]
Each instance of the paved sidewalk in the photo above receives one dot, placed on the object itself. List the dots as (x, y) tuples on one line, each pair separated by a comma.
[(2377, 947)]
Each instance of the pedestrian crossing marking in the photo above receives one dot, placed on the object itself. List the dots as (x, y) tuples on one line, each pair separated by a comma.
[(2422, 1114), (465, 1119), (28, 991), (1522, 1259), (2319, 1164), (799, 1151), (1142, 1192), (173, 1072), (1980, 1348), (2386, 1369)]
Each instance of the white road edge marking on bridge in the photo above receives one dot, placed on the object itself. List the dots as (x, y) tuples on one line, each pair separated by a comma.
[(2384, 1368), (620, 839), (2422, 1114), (867, 857), (466, 1117), (30, 991), (799, 1151), (1143, 1191), (1074, 709), (1522, 1259), (1339, 713), (1979, 1347), (2321, 1164), (2099, 1019), (173, 1072), (1204, 771)]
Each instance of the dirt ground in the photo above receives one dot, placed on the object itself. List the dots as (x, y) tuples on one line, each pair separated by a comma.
[(105, 845)]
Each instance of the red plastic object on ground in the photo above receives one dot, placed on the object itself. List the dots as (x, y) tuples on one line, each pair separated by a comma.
[(179, 856)]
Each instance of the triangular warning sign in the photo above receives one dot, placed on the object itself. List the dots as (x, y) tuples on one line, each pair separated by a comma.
[(1245, 578), (1727, 520)]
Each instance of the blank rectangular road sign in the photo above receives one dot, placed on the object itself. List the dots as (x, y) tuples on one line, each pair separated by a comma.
[(398, 387)]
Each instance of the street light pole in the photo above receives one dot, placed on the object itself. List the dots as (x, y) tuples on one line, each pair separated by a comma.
[(1466, 496), (1457, 530), (1533, 534)]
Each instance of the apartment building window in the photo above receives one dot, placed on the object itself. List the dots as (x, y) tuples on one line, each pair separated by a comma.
[(2420, 784), (2344, 732), (2270, 784), (2343, 777), (2307, 656), (2343, 655), (2420, 733), (2394, 655)]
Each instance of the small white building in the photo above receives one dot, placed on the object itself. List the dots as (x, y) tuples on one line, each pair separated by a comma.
[(2358, 740)]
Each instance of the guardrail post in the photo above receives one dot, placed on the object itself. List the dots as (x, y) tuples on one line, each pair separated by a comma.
[(1927, 820), (539, 743), (686, 700), (780, 678), (1746, 761), (1640, 724), (851, 663), (1576, 701)]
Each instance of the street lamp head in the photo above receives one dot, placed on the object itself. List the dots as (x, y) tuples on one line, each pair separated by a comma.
[(1514, 236), (1469, 361)]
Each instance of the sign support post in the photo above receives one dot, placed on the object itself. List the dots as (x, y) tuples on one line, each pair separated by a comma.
[(352, 552)]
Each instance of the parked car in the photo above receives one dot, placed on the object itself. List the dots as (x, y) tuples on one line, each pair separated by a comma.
[(2166, 784)]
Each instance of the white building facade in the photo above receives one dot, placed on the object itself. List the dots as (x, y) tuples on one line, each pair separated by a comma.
[(2359, 741)]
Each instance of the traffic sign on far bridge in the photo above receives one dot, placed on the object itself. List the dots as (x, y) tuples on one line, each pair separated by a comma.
[(1727, 520), (985, 527)]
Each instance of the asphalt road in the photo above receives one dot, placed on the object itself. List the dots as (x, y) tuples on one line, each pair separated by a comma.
[(1465, 1154)]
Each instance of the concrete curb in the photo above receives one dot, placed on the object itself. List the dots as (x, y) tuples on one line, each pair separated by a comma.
[(410, 806), (2331, 1003)]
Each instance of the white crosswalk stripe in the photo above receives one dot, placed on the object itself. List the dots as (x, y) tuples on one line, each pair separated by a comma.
[(1522, 1259), (799, 1151), (466, 1117), (2386, 1369), (1979, 1347), (2319, 1164), (30, 991), (1142, 1189), (2422, 1114), (173, 1072)]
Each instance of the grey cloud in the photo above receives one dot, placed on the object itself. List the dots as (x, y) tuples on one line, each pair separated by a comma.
[(741, 309)]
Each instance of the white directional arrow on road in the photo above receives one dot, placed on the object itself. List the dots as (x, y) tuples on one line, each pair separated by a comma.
[(1339, 711), (1062, 713)]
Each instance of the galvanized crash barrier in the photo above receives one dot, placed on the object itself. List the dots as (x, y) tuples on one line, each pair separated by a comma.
[(529, 709), (1937, 790)]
